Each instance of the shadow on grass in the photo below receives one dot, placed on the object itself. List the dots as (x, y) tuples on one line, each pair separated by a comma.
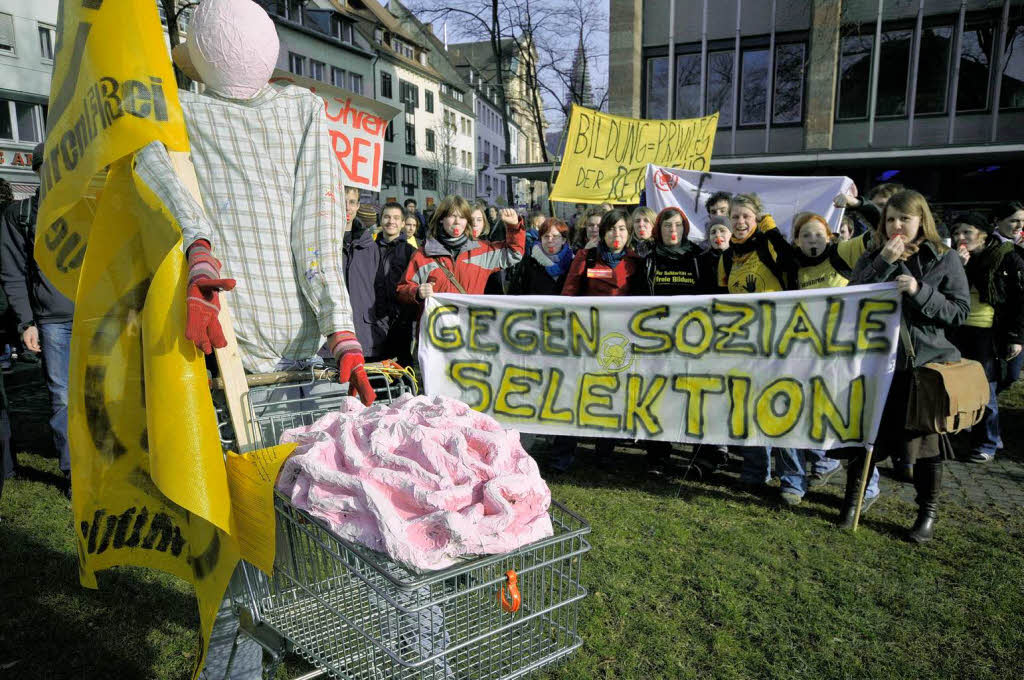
[(52, 627)]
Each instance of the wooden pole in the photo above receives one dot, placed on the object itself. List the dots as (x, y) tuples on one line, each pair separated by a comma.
[(868, 452), (236, 390)]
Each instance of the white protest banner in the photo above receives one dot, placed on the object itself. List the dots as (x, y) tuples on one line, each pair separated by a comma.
[(806, 369), (356, 126), (783, 197)]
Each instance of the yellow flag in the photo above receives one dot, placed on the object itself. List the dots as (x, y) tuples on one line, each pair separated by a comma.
[(606, 156), (113, 91), (151, 487)]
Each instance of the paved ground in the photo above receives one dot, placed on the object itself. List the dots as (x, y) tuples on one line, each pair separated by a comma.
[(998, 485)]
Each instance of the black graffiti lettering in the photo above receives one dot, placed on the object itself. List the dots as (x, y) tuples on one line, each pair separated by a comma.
[(96, 517), (140, 522), (163, 535), (108, 533), (207, 560)]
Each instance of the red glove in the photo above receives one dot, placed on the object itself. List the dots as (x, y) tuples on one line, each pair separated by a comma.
[(202, 305), (346, 349)]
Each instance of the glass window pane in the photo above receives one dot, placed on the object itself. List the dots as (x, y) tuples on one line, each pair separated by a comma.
[(754, 88), (933, 69), (356, 83), (6, 128), (28, 130), (854, 76), (720, 86), (688, 86), (1011, 96), (657, 87), (893, 70), (788, 100), (975, 48)]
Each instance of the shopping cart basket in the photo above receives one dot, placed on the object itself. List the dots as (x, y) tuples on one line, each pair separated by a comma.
[(355, 614)]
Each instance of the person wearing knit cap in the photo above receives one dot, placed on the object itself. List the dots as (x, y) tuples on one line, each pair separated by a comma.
[(368, 217), (994, 328)]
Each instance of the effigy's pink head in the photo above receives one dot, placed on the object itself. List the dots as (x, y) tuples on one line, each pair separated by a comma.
[(232, 46)]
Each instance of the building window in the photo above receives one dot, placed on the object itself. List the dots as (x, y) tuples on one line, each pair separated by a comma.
[(47, 37), (933, 69), (339, 77), (410, 140), (788, 97), (408, 93), (892, 80), (657, 87), (389, 176), (385, 85), (854, 76), (720, 86), (401, 47), (316, 69), (754, 87), (976, 47), (410, 176), (355, 83), (1011, 94), (431, 141), (6, 33), (21, 121), (687, 86), (389, 133), (296, 64), (429, 179), (341, 29), (289, 9), (428, 101)]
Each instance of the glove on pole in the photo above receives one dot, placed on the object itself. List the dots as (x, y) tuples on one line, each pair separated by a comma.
[(202, 303), (345, 348)]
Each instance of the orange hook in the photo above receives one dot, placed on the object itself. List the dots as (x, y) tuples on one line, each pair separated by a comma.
[(513, 592)]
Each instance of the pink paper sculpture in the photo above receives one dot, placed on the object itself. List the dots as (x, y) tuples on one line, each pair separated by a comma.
[(425, 480)]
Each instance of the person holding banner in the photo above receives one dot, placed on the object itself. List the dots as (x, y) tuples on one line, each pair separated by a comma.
[(452, 262), (1009, 219), (906, 248), (673, 267), (611, 268), (544, 269), (719, 233), (759, 260), (994, 329)]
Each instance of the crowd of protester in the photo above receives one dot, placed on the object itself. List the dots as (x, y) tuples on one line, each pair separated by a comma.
[(962, 280)]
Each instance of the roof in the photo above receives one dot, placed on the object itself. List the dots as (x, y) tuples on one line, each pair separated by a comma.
[(369, 15), (439, 57)]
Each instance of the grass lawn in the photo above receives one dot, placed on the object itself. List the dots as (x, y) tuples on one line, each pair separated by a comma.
[(686, 580)]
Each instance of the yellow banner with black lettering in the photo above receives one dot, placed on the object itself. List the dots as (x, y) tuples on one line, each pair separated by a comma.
[(606, 156), (151, 486), (803, 369)]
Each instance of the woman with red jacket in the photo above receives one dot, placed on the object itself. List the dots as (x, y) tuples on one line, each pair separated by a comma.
[(610, 268), (452, 261)]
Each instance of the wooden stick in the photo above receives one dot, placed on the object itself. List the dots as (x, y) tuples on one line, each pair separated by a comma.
[(233, 379), (868, 452)]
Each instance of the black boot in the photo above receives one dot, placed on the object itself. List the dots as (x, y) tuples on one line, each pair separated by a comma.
[(927, 481), (853, 469)]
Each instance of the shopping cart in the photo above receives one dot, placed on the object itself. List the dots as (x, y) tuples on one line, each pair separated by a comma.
[(355, 614)]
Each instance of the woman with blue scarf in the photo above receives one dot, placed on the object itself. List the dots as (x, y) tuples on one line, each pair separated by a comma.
[(611, 267), (543, 270)]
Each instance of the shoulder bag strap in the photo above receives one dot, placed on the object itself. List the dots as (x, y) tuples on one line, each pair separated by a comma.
[(451, 276), (908, 344)]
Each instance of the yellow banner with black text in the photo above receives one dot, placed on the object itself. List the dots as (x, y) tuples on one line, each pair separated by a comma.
[(606, 156), (803, 369)]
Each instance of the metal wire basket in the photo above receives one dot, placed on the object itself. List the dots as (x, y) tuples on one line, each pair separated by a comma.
[(356, 614)]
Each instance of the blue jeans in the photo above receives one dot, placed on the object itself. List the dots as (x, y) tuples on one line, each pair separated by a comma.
[(757, 463), (985, 435), (55, 341), (1013, 368), (792, 469)]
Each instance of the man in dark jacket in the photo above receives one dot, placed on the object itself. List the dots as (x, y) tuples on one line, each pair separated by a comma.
[(44, 313), (361, 261), (395, 320)]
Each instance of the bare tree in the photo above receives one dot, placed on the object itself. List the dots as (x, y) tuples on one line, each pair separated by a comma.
[(444, 159), (177, 13), (484, 19)]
